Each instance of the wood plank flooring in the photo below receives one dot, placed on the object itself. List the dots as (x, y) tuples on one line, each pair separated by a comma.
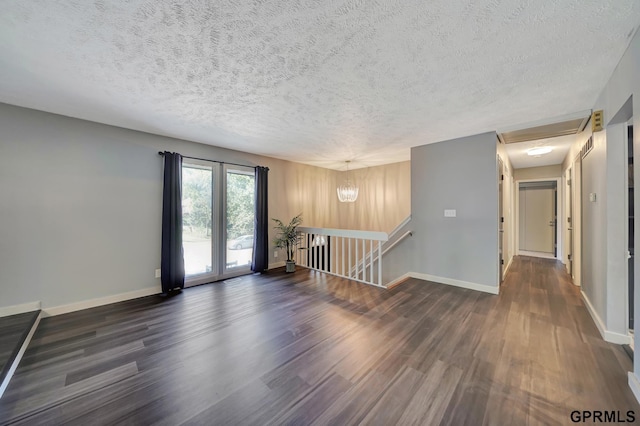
[(13, 333), (308, 348)]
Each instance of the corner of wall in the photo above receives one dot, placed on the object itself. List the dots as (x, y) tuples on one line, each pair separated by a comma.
[(607, 335), (634, 384), (92, 303)]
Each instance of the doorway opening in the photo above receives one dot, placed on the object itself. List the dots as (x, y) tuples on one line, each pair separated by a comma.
[(569, 192), (501, 245), (630, 226)]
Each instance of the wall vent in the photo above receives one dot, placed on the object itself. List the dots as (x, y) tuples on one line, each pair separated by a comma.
[(587, 147), (597, 121), (561, 126)]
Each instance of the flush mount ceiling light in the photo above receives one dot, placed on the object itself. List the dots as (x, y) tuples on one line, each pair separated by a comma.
[(538, 151), (347, 192)]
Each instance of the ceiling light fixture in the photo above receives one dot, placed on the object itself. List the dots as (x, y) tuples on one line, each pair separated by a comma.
[(348, 192), (318, 241), (538, 151)]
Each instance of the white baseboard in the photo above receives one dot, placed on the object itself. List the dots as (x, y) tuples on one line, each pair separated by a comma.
[(607, 335), (457, 283), (19, 309), (594, 315), (508, 265), (398, 280), (634, 384), (92, 303), (276, 265), (16, 361), (444, 280), (617, 338), (536, 254)]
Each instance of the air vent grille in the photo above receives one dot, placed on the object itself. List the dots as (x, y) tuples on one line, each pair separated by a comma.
[(546, 129), (597, 121), (587, 147)]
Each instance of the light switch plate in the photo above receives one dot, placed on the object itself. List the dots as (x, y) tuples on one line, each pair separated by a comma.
[(450, 213), (592, 197)]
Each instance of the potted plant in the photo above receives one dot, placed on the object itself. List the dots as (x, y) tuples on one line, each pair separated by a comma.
[(288, 237)]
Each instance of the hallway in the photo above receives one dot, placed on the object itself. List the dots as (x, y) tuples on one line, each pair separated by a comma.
[(553, 358), (310, 348)]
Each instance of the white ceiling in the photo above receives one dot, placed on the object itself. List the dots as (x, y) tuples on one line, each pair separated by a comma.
[(314, 81), (517, 152)]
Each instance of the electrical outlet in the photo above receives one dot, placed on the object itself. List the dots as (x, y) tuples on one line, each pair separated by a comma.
[(275, 253), (449, 213), (158, 273)]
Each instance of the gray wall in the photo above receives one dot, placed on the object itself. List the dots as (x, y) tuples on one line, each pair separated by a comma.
[(81, 205), (604, 228), (625, 83), (458, 174), (80, 215), (603, 258)]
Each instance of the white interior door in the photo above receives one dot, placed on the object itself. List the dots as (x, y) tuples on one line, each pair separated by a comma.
[(537, 219)]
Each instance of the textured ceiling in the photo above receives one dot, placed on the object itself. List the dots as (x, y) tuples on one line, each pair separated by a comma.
[(314, 81)]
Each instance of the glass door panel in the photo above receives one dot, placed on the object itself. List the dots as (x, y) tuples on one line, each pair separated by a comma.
[(239, 217), (197, 230)]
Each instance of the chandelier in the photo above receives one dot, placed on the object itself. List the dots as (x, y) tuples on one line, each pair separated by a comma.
[(347, 192)]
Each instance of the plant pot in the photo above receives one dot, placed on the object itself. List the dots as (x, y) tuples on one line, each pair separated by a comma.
[(290, 266)]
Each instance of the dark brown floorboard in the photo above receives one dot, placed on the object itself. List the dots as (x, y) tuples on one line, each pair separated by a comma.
[(14, 330), (309, 348)]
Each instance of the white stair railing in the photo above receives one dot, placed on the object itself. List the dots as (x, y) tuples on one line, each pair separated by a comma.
[(343, 252), (385, 248), (394, 238)]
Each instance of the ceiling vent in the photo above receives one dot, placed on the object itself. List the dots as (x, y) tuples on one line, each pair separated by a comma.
[(561, 126)]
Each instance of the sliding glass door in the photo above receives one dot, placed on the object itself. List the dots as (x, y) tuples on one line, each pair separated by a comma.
[(239, 217), (218, 220), (198, 219)]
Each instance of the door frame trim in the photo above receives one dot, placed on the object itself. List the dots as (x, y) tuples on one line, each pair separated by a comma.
[(559, 215)]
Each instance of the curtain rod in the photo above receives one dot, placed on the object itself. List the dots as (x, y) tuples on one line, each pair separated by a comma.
[(212, 161)]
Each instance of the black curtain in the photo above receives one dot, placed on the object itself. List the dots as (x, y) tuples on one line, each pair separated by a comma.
[(172, 252), (260, 261)]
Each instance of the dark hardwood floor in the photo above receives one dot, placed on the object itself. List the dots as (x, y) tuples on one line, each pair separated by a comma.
[(13, 332), (311, 348)]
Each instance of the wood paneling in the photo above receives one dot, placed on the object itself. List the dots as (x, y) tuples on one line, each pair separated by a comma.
[(310, 348)]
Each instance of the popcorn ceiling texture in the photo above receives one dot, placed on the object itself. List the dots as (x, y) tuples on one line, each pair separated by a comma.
[(315, 81)]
